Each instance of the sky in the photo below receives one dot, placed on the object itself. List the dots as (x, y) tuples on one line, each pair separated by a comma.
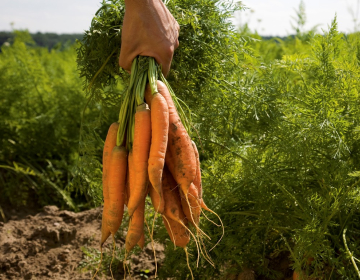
[(267, 17), (274, 17)]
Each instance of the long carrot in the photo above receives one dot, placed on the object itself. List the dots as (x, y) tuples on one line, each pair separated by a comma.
[(182, 163), (131, 176), (117, 188), (159, 136), (141, 242), (141, 149), (127, 187), (110, 143), (136, 226)]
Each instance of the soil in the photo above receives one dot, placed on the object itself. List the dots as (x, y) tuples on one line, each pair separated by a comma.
[(48, 245)]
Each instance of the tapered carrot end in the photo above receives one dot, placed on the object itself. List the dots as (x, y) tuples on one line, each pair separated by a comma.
[(131, 241), (105, 233), (203, 206), (184, 189), (104, 237), (141, 242)]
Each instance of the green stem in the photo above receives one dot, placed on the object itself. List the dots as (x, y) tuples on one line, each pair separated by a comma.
[(143, 69), (140, 88), (101, 69), (153, 75), (125, 109)]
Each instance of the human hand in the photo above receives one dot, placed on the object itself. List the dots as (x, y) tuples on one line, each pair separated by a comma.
[(149, 29)]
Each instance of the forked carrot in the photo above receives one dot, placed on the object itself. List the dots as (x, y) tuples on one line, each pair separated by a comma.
[(140, 150)]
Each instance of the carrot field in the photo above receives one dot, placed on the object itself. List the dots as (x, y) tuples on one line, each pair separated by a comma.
[(276, 123)]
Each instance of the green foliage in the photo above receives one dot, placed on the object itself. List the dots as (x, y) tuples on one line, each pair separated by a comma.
[(98, 54), (40, 121), (277, 126), (287, 141)]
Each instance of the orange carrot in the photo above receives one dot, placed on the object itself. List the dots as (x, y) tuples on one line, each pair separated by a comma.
[(172, 209), (127, 186), (197, 181), (141, 242), (131, 176), (157, 200), (193, 213), (174, 218), (140, 150), (183, 162), (159, 136), (203, 206), (177, 232), (117, 186), (110, 143), (136, 226)]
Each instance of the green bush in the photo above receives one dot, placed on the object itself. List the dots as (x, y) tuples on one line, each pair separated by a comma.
[(284, 172), (40, 119), (277, 126), (276, 123)]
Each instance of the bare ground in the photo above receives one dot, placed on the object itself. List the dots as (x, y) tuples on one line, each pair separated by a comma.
[(48, 245)]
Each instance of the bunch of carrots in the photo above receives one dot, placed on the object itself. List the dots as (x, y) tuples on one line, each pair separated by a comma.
[(149, 152)]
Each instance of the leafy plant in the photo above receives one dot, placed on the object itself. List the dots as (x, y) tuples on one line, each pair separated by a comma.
[(279, 175), (40, 119), (277, 123)]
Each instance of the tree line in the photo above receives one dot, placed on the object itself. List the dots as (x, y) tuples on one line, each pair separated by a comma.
[(48, 40)]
